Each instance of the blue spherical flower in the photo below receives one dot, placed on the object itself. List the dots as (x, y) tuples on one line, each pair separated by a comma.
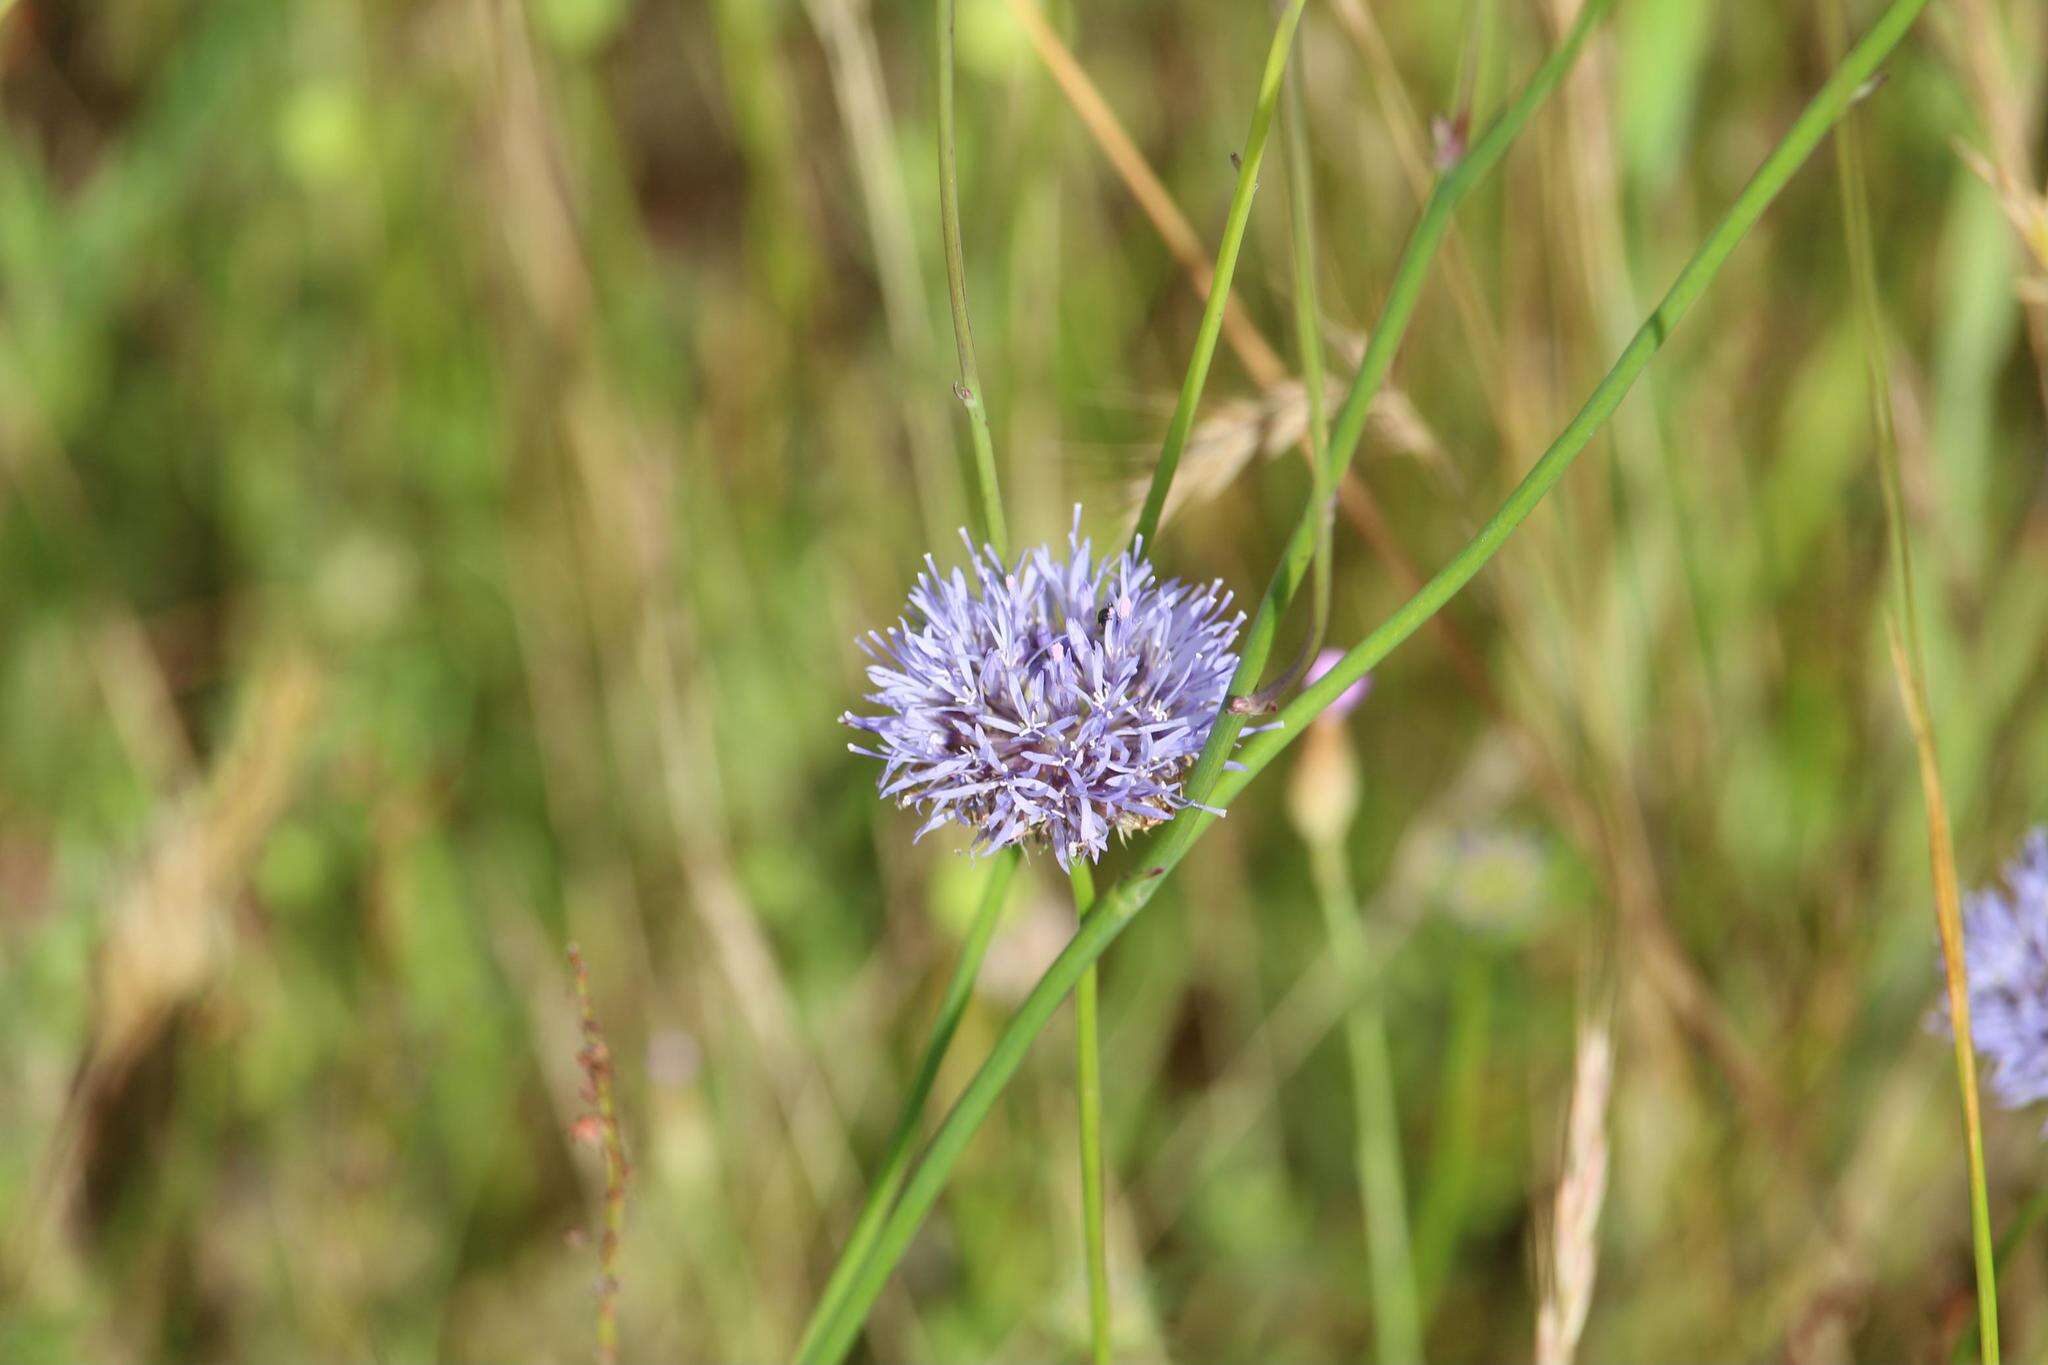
[(1050, 703), (2005, 947)]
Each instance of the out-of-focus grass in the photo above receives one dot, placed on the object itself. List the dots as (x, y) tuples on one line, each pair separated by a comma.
[(446, 451)]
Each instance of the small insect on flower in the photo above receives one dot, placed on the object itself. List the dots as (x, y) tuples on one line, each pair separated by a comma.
[(1051, 703), (2005, 947)]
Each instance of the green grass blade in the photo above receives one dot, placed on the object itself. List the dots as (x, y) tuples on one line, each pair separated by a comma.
[(986, 499), (1308, 339), (1397, 1312), (1442, 1206)]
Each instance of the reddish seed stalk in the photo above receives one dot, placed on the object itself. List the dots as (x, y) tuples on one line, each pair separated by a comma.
[(600, 1127)]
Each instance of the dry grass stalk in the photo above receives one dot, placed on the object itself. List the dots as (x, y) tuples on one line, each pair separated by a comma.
[(2026, 210), (1575, 1217), (1907, 668), (2003, 108), (599, 1127), (171, 928)]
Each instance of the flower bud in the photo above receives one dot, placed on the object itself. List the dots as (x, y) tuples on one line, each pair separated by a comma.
[(1322, 792)]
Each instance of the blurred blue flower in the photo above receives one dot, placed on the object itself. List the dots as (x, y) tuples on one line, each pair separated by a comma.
[(2005, 947), (1049, 704)]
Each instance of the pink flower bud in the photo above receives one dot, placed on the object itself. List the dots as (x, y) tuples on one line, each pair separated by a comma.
[(1349, 697)]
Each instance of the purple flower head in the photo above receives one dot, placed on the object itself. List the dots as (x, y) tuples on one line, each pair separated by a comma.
[(1051, 703), (2005, 947), (1347, 700)]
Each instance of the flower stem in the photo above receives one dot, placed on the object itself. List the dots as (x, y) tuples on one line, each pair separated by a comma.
[(1088, 1082), (896, 1155), (1396, 1315), (1165, 849), (1219, 286), (985, 495)]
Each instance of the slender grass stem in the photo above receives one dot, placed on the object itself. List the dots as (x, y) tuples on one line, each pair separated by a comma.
[(1948, 920), (1088, 1074), (897, 1152), (1165, 850), (1441, 1207), (595, 1058), (985, 498), (1909, 661), (1397, 1314), (1308, 337), (1324, 809), (1226, 267)]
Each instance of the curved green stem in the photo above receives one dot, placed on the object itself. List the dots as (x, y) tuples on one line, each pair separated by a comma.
[(1166, 848), (1219, 285), (1088, 1086), (896, 1154), (985, 494)]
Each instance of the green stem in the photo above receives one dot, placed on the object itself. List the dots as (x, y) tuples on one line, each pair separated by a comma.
[(896, 1154), (1219, 285), (1088, 1083), (1165, 849), (1397, 1314), (1440, 1210), (1308, 337), (1870, 324), (986, 499)]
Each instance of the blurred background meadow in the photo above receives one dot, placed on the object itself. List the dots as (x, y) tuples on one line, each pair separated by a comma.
[(449, 448)]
